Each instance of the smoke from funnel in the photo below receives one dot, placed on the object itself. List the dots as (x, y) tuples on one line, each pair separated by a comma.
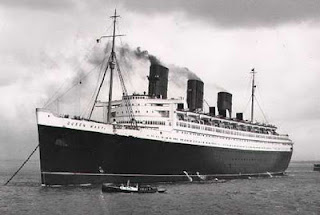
[(144, 54), (179, 76), (141, 53), (154, 60), (135, 65), (191, 75)]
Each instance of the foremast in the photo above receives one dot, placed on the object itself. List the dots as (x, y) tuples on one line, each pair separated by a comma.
[(112, 64)]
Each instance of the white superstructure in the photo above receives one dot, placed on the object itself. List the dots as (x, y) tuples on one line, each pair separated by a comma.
[(159, 119)]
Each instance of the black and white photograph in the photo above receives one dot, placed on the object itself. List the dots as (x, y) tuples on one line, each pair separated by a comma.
[(159, 107)]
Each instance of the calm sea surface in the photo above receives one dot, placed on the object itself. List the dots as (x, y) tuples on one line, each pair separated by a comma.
[(296, 193)]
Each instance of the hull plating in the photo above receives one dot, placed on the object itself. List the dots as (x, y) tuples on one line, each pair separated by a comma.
[(78, 157)]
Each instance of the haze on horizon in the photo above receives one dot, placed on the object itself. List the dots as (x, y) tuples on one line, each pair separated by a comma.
[(44, 44)]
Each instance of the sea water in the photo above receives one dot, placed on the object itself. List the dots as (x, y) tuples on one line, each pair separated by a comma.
[(296, 193)]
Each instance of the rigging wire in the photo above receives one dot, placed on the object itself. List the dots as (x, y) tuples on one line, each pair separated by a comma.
[(109, 27), (49, 101), (86, 57), (128, 104), (122, 45), (91, 100), (265, 118), (127, 101), (246, 107), (95, 93), (205, 101), (104, 75), (264, 115), (76, 84), (247, 93)]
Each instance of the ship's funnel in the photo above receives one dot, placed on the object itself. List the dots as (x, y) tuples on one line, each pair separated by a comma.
[(195, 95), (225, 104), (212, 111), (239, 116), (158, 81)]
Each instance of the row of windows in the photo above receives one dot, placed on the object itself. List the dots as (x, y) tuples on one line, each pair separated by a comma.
[(144, 122), (136, 111), (225, 124), (229, 145), (139, 97), (132, 104), (226, 138), (188, 125)]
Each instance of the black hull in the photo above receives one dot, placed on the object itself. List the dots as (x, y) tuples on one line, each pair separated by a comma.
[(79, 157)]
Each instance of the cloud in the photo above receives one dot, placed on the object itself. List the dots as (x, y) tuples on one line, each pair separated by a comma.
[(39, 4), (41, 49), (224, 13), (231, 13)]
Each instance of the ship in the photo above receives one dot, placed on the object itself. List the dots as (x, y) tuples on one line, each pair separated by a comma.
[(147, 137)]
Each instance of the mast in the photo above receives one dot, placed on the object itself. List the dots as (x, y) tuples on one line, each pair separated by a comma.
[(252, 93), (112, 64)]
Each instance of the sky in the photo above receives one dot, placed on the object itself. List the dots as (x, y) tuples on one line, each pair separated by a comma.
[(47, 46)]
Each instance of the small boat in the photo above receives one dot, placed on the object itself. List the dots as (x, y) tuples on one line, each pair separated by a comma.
[(113, 188), (147, 189), (316, 167), (110, 188)]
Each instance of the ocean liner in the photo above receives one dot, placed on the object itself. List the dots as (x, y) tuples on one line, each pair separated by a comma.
[(149, 138)]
